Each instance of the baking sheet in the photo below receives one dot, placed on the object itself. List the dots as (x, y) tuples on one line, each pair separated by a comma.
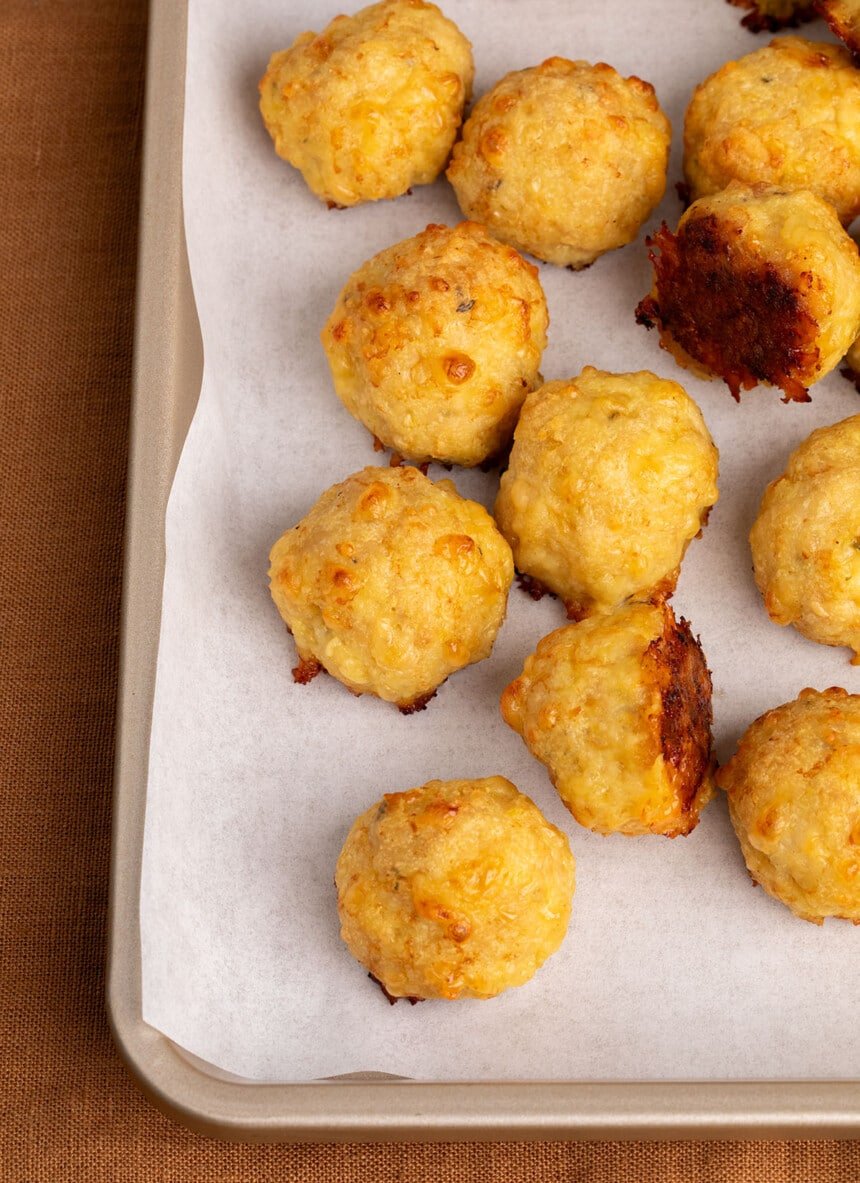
[(674, 966)]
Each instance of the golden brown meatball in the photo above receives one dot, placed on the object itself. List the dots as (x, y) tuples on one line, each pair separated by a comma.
[(610, 477), (370, 106), (434, 343), (806, 539), (775, 14), (565, 160), (843, 16), (459, 889), (793, 788), (618, 708), (785, 115), (757, 285), (391, 583)]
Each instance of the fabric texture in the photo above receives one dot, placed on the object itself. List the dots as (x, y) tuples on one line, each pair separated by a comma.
[(71, 84)]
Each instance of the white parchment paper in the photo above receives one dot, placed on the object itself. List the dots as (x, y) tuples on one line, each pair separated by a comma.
[(674, 966)]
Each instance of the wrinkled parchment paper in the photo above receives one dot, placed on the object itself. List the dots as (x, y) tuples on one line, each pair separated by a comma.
[(674, 966)]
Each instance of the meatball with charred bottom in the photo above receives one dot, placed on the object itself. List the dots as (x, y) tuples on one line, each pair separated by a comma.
[(806, 539), (793, 788), (785, 115), (843, 16), (565, 160), (771, 15), (758, 285), (435, 342), (457, 889), (610, 477), (391, 583), (370, 106), (618, 708)]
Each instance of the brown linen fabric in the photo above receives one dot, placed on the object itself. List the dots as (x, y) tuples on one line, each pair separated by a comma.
[(71, 74)]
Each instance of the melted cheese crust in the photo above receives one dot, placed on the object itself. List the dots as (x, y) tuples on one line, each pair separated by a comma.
[(589, 706), (793, 237)]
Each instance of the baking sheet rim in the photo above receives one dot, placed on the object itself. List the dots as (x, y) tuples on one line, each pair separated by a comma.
[(167, 369)]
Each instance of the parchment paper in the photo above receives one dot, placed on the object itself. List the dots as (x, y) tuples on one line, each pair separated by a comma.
[(674, 966)]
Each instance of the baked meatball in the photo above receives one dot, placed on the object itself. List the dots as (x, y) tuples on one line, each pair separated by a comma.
[(793, 788), (757, 285), (775, 14), (434, 343), (391, 583), (565, 160), (618, 708), (458, 889), (785, 115), (806, 539), (843, 16), (610, 477), (370, 106)]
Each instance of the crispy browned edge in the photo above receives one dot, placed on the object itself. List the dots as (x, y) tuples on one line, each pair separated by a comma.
[(761, 22), (731, 312), (829, 10), (675, 664)]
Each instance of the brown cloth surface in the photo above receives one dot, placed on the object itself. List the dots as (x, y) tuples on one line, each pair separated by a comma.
[(71, 75)]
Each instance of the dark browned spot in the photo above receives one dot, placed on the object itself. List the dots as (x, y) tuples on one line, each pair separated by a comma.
[(731, 312), (378, 445), (533, 587), (377, 302), (683, 191), (334, 205), (577, 609), (675, 664), (458, 367), (418, 704), (392, 998), (852, 376), (306, 670)]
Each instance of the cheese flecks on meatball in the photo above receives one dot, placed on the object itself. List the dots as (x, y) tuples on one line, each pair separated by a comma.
[(565, 160), (785, 115), (391, 583), (618, 708), (435, 342), (372, 105), (610, 477), (793, 788), (758, 285), (457, 889), (806, 538)]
